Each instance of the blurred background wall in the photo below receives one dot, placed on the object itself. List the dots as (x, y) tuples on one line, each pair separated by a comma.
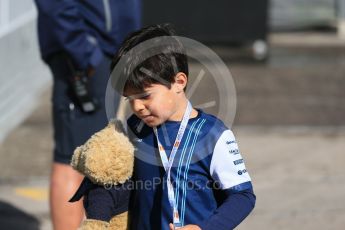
[(303, 14), (300, 44), (23, 76)]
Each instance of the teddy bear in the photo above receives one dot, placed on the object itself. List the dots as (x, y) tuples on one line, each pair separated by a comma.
[(106, 160)]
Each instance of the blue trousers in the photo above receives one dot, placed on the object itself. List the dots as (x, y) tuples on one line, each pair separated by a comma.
[(72, 127)]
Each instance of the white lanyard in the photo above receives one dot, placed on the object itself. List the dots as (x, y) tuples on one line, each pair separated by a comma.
[(168, 163)]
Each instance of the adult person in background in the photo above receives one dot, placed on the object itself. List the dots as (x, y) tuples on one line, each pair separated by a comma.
[(76, 40)]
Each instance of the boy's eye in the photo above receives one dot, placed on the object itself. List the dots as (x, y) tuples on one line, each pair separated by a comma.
[(144, 95)]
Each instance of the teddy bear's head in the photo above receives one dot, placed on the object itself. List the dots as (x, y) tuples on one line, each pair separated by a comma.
[(107, 157)]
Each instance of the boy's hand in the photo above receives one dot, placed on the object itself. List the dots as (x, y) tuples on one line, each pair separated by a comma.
[(187, 227)]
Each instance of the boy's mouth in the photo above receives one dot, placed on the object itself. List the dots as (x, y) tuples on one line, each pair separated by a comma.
[(146, 118)]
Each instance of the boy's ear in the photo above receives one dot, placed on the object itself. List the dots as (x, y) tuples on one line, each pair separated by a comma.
[(180, 81)]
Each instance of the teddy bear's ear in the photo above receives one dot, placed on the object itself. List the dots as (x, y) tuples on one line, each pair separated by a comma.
[(118, 126), (76, 158)]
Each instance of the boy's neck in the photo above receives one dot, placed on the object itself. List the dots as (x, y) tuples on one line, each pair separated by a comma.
[(178, 115)]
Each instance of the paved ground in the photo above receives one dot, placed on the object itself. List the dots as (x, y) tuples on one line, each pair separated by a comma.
[(298, 176), (289, 126)]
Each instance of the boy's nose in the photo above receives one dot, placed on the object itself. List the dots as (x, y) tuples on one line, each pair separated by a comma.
[(137, 105)]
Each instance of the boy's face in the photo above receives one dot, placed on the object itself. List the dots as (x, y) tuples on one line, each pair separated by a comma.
[(155, 105)]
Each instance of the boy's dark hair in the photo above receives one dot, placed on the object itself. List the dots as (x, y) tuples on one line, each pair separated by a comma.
[(155, 65)]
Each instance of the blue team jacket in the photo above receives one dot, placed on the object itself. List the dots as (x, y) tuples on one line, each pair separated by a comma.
[(85, 29)]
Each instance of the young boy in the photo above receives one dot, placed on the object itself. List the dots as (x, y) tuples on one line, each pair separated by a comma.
[(188, 171)]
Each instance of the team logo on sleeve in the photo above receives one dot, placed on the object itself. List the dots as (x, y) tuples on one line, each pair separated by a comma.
[(240, 172), (234, 151), (231, 142), (239, 161)]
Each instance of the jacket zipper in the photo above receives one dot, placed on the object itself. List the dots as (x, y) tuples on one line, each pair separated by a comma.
[(107, 15)]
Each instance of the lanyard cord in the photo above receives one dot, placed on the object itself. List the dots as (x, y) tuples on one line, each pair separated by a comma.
[(167, 163)]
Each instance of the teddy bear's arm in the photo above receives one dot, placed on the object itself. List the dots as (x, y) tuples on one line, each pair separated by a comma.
[(99, 204)]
